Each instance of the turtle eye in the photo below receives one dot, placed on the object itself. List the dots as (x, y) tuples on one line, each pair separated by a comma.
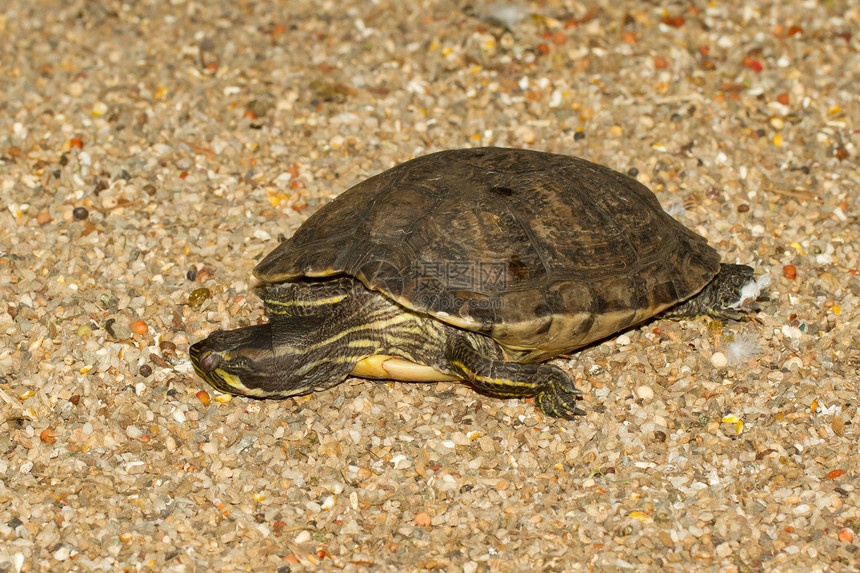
[(210, 362)]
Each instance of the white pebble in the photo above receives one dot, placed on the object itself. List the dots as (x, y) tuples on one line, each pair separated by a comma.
[(328, 503), (645, 392), (62, 553), (623, 340), (719, 360), (179, 415)]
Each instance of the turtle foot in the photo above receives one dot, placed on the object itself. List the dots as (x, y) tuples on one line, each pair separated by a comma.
[(558, 397)]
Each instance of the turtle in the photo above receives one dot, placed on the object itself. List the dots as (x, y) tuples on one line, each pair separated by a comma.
[(478, 265)]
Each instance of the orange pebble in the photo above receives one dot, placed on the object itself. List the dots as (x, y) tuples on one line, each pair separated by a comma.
[(846, 534), (48, 436), (43, 217), (203, 396), (139, 327), (789, 272)]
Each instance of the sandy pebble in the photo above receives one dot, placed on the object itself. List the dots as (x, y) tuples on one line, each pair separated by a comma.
[(645, 392), (719, 360)]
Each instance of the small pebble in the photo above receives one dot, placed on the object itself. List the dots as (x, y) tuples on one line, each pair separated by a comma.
[(139, 327), (43, 217), (84, 330), (167, 347), (204, 274), (48, 436), (62, 553), (645, 392), (719, 360), (789, 272), (846, 534), (203, 396), (198, 297), (146, 370), (80, 213), (109, 202), (743, 208)]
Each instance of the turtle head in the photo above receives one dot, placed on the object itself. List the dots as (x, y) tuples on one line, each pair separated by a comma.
[(731, 294), (244, 362)]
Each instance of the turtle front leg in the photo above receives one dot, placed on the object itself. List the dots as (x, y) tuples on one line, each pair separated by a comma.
[(553, 390)]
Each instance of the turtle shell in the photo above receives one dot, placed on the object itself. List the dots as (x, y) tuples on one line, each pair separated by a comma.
[(543, 252)]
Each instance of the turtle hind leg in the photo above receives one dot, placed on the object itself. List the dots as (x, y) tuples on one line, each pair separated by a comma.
[(731, 294), (553, 390)]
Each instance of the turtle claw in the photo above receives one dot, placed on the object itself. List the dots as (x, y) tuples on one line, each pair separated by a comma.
[(559, 405), (558, 398)]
